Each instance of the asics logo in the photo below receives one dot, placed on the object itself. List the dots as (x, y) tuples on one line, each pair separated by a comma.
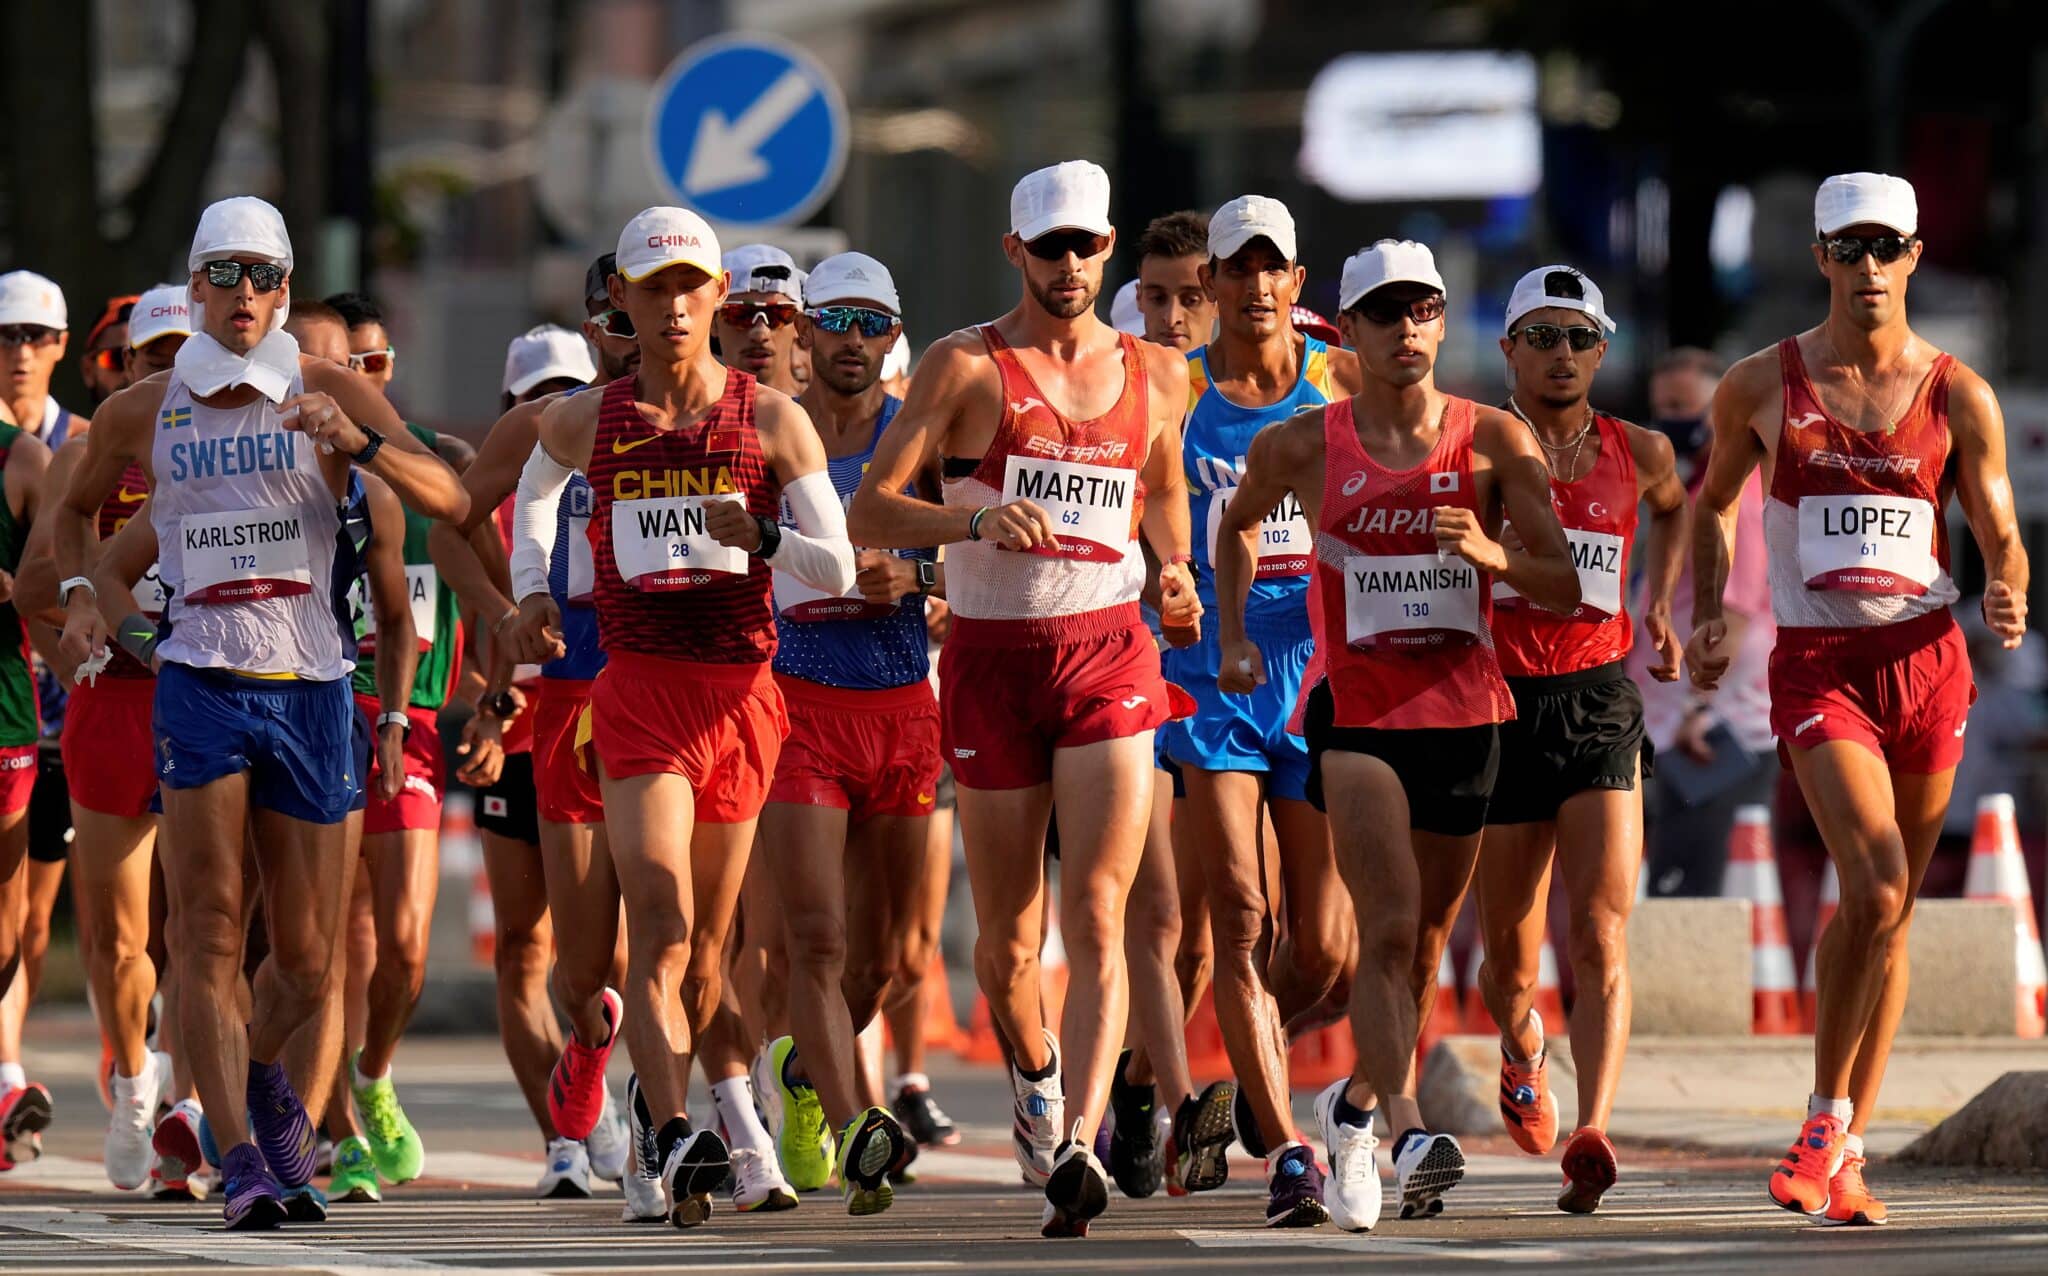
[(621, 446), (1133, 702), (1352, 484), (1034, 402), (1813, 721)]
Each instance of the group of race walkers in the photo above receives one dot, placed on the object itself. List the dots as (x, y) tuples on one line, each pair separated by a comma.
[(1275, 645)]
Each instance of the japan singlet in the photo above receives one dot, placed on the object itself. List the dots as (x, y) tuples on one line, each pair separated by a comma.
[(1598, 511)]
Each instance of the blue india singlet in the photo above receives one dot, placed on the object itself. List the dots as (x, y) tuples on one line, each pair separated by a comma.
[(844, 642)]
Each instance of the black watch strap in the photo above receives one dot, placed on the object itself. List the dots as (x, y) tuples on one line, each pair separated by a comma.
[(771, 537), (370, 449), (927, 576)]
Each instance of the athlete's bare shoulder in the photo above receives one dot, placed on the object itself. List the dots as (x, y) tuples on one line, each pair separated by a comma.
[(1971, 401), (1754, 381), (1498, 435), (1654, 456), (1292, 446), (1345, 372), (129, 414), (956, 359)]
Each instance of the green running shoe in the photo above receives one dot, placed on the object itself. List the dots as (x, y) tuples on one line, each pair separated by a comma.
[(804, 1143), (394, 1145), (355, 1174), (872, 1145)]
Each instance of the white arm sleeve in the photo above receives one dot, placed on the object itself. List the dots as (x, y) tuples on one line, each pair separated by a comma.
[(535, 504), (817, 552)]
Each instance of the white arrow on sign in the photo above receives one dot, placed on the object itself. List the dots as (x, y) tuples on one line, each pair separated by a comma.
[(727, 152)]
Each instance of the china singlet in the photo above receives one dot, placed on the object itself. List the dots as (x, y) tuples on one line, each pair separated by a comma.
[(662, 585), (1598, 511), (18, 712), (1214, 441), (1402, 632), (1084, 474), (1854, 517), (122, 504), (844, 641), (246, 525)]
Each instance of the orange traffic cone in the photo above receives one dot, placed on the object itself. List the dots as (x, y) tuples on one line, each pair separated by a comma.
[(1319, 1057), (1207, 1055), (1549, 1001), (1478, 1020), (1809, 983), (462, 855), (942, 1030), (1998, 873), (1753, 875), (983, 1046)]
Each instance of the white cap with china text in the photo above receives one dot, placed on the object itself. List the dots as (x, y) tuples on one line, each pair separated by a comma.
[(163, 311), (1390, 261), (660, 237), (1854, 199), (1070, 196)]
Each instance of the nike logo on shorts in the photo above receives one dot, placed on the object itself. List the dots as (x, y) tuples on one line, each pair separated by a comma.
[(1964, 727), (1810, 722)]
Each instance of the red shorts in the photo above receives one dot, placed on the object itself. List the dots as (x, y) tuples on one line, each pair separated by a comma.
[(720, 727), (418, 804), (109, 749), (1012, 691), (868, 753), (566, 793), (1903, 691)]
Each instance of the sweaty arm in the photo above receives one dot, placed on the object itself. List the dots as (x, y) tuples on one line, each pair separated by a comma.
[(883, 515), (121, 433), (817, 551), (1541, 570), (1985, 490), (1165, 519), (122, 561), (35, 581), (398, 653), (1735, 451), (1283, 458), (422, 480), (1657, 471)]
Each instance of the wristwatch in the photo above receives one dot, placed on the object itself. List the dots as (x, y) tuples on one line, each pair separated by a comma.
[(498, 704), (771, 537), (370, 449), (393, 718), (927, 576)]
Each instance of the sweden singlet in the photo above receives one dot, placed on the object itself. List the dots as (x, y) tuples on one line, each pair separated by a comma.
[(1598, 512), (1402, 632), (662, 586), (1854, 517)]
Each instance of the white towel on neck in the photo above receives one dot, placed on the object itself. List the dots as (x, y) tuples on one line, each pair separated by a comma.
[(209, 367)]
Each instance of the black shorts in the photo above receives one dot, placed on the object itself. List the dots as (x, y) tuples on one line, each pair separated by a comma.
[(1447, 772), (511, 808), (1572, 732), (49, 809)]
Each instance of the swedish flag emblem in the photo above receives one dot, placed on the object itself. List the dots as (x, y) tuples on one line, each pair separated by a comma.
[(172, 418)]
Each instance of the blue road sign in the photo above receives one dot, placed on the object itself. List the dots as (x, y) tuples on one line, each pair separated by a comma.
[(748, 130)]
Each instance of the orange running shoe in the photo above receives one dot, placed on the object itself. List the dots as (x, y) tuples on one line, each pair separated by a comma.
[(1801, 1180), (1590, 1168), (1527, 1107), (1850, 1203)]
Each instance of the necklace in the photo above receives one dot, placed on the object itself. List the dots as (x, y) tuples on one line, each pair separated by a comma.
[(1576, 444), (1890, 415)]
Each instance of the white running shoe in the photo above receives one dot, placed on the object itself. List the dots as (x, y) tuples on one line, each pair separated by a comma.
[(1426, 1167), (133, 1121), (1076, 1191), (1352, 1190), (767, 1093), (643, 1185), (609, 1142), (1040, 1119), (758, 1184), (567, 1175)]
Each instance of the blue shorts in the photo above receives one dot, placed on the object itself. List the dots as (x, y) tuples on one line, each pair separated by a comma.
[(296, 739), (1243, 733)]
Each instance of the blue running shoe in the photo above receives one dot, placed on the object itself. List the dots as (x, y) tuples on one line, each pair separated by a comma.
[(278, 1120), (255, 1203), (1294, 1189), (305, 1204), (207, 1147)]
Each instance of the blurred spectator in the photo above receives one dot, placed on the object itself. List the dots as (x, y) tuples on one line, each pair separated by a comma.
[(1714, 753)]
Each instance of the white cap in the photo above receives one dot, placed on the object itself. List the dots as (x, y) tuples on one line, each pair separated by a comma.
[(1390, 261), (1851, 199), (545, 353), (163, 311), (660, 237), (1250, 217), (765, 268), (1555, 286), (896, 363), (27, 297), (1124, 315), (243, 225), (851, 277), (1069, 196)]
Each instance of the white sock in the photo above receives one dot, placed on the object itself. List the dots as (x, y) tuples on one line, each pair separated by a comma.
[(909, 1081), (1840, 1109), (1853, 1145), (12, 1076), (733, 1098), (362, 1080), (125, 1087)]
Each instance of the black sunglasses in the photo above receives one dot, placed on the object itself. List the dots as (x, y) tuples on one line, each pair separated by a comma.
[(1847, 250), (1545, 336), (264, 276), (1056, 244), (614, 323), (1387, 311), (873, 323)]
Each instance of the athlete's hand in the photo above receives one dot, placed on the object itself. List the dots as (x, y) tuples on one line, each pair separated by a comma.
[(2005, 611), (536, 635), (315, 413), (883, 578), (1019, 525), (1458, 531), (938, 619), (1244, 668), (85, 632), (728, 523), (1707, 654), (390, 761), (1180, 607), (482, 750), (1657, 621)]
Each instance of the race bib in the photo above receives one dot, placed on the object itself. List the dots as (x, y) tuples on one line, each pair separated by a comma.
[(1410, 600), (1285, 543), (660, 544), (1090, 505), (421, 588), (1597, 556), (1867, 544), (149, 593), (241, 555), (798, 602), (581, 582)]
